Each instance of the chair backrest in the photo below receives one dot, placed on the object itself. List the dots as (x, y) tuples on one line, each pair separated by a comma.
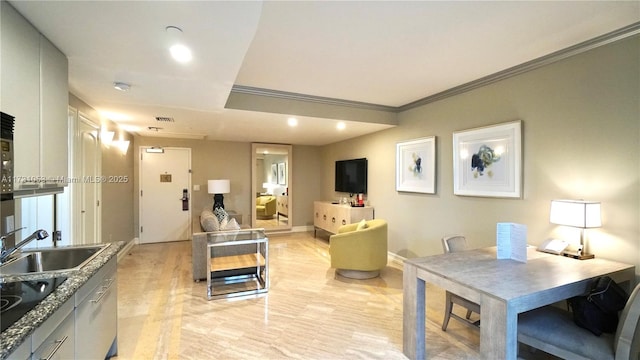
[(454, 243), (627, 340)]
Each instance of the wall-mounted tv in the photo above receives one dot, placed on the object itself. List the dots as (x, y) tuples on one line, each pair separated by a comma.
[(351, 176)]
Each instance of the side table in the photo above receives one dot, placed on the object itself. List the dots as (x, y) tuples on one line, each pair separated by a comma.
[(238, 263)]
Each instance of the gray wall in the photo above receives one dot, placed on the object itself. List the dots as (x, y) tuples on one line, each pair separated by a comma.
[(232, 160), (117, 198), (581, 140)]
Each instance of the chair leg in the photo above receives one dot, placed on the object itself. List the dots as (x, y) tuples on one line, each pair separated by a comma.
[(447, 311), (469, 314)]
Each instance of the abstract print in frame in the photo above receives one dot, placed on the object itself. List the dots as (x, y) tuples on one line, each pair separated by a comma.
[(487, 161), (416, 165)]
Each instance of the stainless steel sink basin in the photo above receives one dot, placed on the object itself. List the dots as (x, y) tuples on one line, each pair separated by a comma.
[(52, 259)]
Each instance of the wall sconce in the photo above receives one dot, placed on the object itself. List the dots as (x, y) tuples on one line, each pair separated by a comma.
[(218, 187), (576, 213), (123, 145), (106, 137)]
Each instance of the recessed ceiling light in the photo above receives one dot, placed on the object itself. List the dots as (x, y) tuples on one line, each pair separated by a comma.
[(121, 86), (341, 126), (292, 121), (180, 53)]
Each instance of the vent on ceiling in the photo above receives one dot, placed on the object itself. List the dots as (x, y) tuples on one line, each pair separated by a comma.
[(154, 128), (165, 119)]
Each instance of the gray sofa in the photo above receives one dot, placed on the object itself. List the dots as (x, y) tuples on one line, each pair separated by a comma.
[(199, 251)]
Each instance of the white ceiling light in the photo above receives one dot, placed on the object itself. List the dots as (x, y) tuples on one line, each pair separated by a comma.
[(341, 126), (121, 86), (181, 53), (292, 121)]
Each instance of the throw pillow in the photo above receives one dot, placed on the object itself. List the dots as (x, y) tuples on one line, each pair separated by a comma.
[(208, 221), (362, 225), (232, 225), (220, 214)]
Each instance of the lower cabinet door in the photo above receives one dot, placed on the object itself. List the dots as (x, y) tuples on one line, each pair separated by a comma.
[(60, 344), (97, 321)]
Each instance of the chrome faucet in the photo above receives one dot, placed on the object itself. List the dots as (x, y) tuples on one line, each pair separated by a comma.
[(37, 235), (3, 238)]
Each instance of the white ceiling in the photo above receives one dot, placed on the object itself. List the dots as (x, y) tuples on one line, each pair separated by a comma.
[(388, 53)]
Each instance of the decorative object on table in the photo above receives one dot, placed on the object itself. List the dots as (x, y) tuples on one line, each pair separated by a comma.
[(487, 161), (282, 174), (416, 165), (579, 214), (218, 187), (511, 241)]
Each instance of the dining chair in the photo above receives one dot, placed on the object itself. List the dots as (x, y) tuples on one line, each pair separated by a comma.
[(552, 330), (452, 244)]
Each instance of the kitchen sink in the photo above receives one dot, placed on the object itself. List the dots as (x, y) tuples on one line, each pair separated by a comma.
[(51, 259)]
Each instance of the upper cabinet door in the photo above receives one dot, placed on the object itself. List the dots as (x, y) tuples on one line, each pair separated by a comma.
[(54, 142), (35, 91), (20, 73)]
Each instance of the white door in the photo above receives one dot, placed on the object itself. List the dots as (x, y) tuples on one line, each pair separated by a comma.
[(165, 199), (89, 184)]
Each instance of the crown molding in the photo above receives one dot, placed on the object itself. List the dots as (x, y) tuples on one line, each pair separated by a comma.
[(582, 47)]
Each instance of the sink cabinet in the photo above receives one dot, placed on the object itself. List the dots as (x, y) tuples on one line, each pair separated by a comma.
[(97, 314)]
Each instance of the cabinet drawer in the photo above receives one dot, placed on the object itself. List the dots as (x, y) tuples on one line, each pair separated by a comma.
[(49, 326), (59, 344), (103, 275)]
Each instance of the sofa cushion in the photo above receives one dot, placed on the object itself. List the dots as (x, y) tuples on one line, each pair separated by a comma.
[(232, 224), (362, 225), (209, 221)]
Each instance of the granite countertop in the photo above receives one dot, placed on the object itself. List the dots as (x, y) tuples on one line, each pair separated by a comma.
[(15, 335)]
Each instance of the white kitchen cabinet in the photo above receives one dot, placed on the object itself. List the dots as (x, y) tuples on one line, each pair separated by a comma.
[(54, 339), (97, 314), (60, 344), (35, 91), (54, 102), (330, 217), (20, 96)]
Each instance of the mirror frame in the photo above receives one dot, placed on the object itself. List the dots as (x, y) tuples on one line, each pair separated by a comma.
[(254, 186)]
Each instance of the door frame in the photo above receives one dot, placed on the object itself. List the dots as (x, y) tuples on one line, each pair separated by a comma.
[(141, 151), (78, 179)]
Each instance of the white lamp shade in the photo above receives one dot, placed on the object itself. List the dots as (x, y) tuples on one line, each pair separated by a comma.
[(576, 213), (222, 186)]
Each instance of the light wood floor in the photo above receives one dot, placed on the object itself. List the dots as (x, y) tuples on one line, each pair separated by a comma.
[(308, 313)]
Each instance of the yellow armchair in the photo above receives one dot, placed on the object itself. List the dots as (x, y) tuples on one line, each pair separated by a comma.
[(265, 206), (359, 254)]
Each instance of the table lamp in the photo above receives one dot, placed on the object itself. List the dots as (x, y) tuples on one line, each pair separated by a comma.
[(218, 187), (576, 213)]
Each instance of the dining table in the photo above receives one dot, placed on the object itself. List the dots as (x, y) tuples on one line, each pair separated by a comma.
[(503, 288)]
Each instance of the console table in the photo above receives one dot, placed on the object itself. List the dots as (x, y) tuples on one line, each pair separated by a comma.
[(238, 263), (329, 217)]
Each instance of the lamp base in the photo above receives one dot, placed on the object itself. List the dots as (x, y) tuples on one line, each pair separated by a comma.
[(579, 257), (218, 201)]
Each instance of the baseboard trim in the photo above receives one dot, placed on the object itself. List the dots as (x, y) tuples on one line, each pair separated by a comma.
[(128, 246), (396, 261)]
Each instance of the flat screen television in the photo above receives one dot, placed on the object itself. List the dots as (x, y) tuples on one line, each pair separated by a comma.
[(351, 176)]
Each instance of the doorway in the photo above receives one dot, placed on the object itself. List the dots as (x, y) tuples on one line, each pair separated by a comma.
[(165, 201), (272, 186)]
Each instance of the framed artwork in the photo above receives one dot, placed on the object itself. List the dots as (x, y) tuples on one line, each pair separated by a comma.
[(487, 161), (274, 173), (282, 174), (416, 165)]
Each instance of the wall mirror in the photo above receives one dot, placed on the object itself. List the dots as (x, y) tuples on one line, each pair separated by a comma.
[(271, 186)]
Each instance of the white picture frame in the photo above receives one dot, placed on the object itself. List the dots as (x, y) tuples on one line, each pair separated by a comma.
[(416, 165), (282, 174), (487, 161)]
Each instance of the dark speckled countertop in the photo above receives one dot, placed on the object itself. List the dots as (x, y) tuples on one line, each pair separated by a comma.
[(15, 335)]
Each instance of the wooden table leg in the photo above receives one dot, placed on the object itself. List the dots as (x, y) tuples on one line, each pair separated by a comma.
[(413, 323), (498, 330)]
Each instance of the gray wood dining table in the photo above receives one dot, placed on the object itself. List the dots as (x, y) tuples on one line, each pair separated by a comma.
[(504, 288)]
